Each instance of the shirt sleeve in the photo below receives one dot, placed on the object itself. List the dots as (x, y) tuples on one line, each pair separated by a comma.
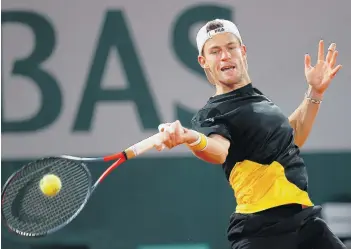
[(210, 125)]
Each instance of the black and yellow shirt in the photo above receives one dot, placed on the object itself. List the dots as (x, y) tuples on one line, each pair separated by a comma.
[(263, 165)]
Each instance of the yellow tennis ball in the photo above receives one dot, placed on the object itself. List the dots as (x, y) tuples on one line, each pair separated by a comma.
[(50, 185)]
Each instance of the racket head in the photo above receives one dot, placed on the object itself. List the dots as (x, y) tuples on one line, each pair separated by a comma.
[(26, 211)]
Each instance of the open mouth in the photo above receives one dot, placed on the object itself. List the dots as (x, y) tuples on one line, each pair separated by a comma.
[(227, 68)]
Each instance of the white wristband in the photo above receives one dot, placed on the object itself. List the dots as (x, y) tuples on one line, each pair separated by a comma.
[(197, 141)]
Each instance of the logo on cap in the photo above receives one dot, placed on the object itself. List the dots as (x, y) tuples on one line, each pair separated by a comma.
[(215, 31)]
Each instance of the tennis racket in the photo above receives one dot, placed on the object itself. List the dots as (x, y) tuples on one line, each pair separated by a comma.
[(26, 211)]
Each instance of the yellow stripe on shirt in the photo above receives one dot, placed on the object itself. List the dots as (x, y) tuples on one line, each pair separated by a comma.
[(258, 187)]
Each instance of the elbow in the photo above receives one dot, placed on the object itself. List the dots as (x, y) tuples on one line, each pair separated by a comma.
[(214, 159), (222, 158), (300, 139), (300, 136), (216, 151), (299, 142)]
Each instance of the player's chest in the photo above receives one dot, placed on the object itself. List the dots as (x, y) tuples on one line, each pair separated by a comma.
[(256, 115)]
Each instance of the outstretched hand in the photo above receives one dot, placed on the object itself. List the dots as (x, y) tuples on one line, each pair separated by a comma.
[(320, 75)]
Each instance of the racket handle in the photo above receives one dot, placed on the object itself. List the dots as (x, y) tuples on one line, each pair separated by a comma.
[(143, 146)]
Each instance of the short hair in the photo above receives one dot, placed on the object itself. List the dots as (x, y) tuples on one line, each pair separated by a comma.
[(214, 24)]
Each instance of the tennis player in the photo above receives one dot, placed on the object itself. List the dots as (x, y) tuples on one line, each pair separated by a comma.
[(257, 145)]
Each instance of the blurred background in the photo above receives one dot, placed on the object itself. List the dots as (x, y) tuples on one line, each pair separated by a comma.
[(90, 78)]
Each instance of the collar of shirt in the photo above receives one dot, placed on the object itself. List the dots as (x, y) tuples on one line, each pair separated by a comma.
[(235, 93)]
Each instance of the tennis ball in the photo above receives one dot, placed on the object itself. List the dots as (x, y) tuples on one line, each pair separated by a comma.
[(50, 185)]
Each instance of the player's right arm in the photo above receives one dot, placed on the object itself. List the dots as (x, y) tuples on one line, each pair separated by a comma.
[(215, 149), (212, 148)]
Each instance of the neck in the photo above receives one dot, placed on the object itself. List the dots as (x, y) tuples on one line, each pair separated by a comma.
[(224, 88)]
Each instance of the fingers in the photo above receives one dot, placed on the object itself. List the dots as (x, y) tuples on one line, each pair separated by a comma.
[(335, 71), (168, 137), (330, 58), (333, 59), (159, 145), (307, 61), (178, 132), (172, 134), (161, 127), (166, 131), (165, 142), (331, 51), (321, 51)]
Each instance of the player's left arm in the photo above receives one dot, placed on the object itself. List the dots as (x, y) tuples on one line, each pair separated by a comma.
[(302, 119), (319, 78)]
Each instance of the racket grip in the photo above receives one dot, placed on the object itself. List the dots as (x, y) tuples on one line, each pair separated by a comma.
[(143, 146)]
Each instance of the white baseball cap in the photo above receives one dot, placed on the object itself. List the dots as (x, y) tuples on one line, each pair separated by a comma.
[(202, 36)]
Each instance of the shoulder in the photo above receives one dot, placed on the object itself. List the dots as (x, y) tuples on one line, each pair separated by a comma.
[(259, 92)]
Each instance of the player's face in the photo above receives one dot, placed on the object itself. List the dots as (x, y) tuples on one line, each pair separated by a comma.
[(225, 57)]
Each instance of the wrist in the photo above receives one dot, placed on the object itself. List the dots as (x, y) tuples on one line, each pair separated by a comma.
[(197, 141), (314, 94), (194, 138)]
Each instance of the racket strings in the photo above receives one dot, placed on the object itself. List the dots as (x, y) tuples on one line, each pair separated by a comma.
[(28, 210)]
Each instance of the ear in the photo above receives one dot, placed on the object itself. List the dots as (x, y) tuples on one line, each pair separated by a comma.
[(202, 61), (243, 50), (244, 54)]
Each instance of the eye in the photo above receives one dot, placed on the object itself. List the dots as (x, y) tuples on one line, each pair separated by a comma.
[(214, 52)]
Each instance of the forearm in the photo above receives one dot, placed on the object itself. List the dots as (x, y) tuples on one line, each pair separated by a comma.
[(213, 149), (302, 119)]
